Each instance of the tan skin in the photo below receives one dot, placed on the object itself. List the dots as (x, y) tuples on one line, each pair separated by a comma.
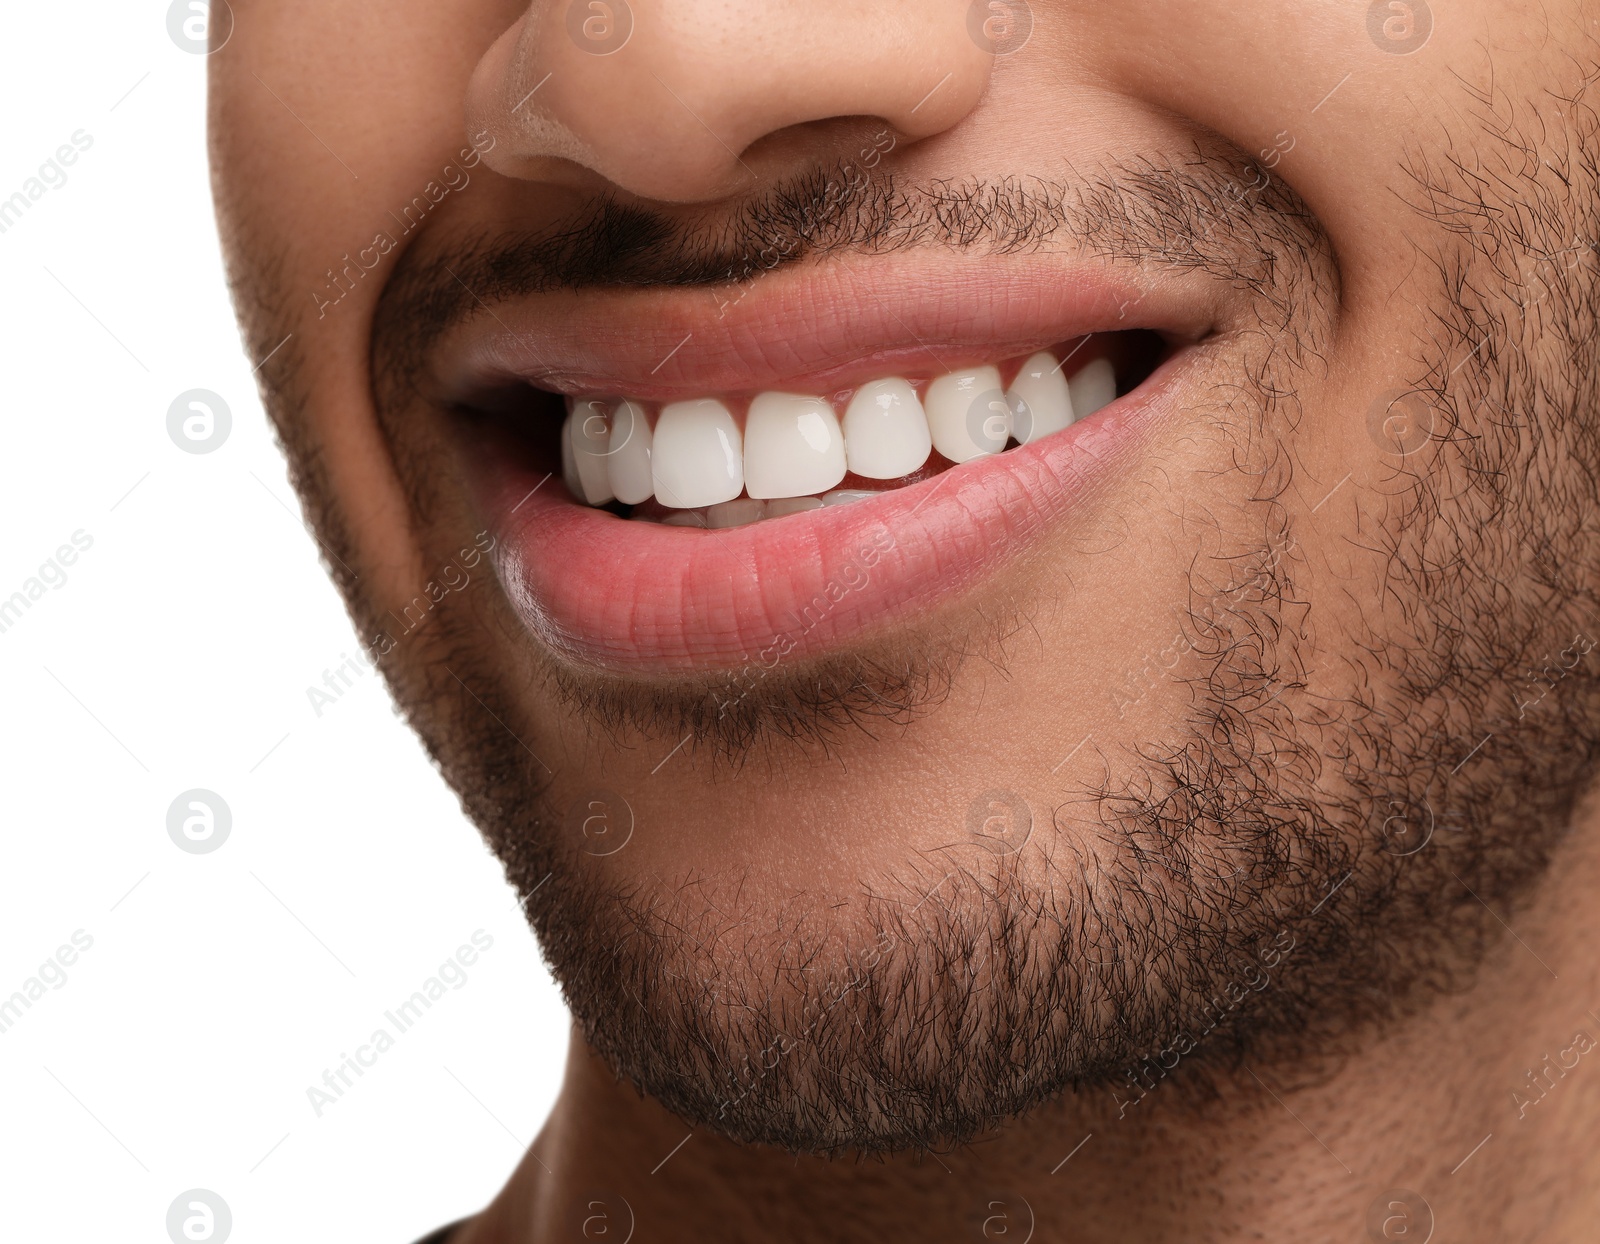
[(387, 95)]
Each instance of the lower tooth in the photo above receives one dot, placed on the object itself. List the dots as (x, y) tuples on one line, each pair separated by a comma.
[(792, 505), (745, 510), (735, 513)]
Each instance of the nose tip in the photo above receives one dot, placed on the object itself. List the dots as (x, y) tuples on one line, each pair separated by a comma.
[(693, 100)]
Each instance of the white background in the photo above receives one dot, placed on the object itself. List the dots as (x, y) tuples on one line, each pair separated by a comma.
[(176, 655)]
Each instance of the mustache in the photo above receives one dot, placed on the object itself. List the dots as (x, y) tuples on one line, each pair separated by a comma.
[(824, 211), (1211, 208)]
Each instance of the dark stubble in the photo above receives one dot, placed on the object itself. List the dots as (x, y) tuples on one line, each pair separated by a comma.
[(1334, 837)]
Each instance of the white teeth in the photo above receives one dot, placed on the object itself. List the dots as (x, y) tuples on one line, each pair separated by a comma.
[(967, 414), (792, 505), (1094, 386), (586, 436), (885, 431), (629, 464), (736, 513), (1040, 399), (697, 457), (794, 452), (792, 446)]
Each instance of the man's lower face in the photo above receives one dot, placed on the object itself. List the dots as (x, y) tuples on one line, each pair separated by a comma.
[(965, 612)]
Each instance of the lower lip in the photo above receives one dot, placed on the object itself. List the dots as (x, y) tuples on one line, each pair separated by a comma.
[(643, 599)]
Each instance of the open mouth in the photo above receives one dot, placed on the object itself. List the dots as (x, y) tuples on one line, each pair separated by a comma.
[(732, 459), (817, 468)]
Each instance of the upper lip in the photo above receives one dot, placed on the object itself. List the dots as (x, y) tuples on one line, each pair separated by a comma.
[(818, 326)]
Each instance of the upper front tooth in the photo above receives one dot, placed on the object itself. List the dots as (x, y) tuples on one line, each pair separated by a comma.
[(629, 464), (697, 456), (792, 446), (885, 431), (1094, 386), (591, 440), (967, 414), (1040, 400)]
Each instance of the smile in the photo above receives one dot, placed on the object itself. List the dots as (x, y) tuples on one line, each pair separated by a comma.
[(663, 512)]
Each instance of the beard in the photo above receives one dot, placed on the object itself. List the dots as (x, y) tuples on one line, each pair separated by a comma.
[(1360, 777)]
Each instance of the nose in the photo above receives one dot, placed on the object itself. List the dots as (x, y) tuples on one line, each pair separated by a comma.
[(692, 100)]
